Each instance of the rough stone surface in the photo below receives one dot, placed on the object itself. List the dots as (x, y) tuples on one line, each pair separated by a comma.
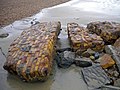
[(65, 59), (83, 62), (115, 54), (31, 54), (117, 83), (106, 61), (109, 31), (88, 53), (95, 76), (81, 39), (117, 43)]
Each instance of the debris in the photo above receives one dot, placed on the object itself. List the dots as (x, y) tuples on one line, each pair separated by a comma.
[(117, 44), (4, 35), (106, 61), (112, 72), (65, 59), (63, 49), (115, 53), (95, 77), (96, 55), (88, 53), (83, 62), (109, 31), (117, 83), (92, 58), (81, 40), (30, 56)]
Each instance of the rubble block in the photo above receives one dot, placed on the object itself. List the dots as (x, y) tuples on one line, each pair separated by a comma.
[(106, 61), (109, 31), (115, 53), (30, 56), (81, 39)]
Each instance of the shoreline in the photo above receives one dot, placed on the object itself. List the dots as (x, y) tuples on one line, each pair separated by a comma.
[(12, 10)]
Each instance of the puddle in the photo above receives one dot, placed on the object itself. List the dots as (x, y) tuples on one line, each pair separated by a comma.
[(79, 11)]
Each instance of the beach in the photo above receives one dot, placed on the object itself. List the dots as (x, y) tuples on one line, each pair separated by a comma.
[(11, 10)]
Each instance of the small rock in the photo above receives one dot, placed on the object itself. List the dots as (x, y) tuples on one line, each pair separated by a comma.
[(79, 51), (115, 54), (96, 55), (117, 43), (106, 61), (115, 74), (88, 53), (117, 83), (4, 35), (65, 59), (92, 58), (83, 62)]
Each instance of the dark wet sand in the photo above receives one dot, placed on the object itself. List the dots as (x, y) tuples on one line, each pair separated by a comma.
[(11, 10)]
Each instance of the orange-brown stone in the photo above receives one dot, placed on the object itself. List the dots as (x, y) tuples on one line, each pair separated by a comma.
[(106, 61)]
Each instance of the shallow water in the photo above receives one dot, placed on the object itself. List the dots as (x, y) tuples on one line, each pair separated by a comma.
[(80, 11)]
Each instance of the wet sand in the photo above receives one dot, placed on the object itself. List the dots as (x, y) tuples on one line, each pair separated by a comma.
[(11, 10)]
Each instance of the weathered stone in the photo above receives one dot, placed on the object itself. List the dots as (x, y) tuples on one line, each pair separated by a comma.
[(92, 58), (65, 59), (83, 62), (95, 77), (106, 61), (81, 39), (31, 55), (117, 43), (115, 74), (4, 35), (115, 54), (63, 49), (96, 55), (88, 53), (109, 31), (117, 83)]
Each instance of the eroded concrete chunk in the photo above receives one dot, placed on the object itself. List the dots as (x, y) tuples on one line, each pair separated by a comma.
[(30, 56), (109, 31), (81, 39)]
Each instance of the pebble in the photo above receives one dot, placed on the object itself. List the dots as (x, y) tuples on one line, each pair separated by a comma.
[(92, 58), (96, 55)]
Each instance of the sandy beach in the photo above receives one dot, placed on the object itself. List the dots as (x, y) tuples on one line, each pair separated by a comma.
[(11, 10)]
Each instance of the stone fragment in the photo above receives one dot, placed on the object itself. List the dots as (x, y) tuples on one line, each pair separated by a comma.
[(92, 58), (96, 55), (115, 53), (106, 61), (109, 31), (95, 77), (117, 83), (117, 43), (81, 39), (65, 59), (88, 53), (83, 62)]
